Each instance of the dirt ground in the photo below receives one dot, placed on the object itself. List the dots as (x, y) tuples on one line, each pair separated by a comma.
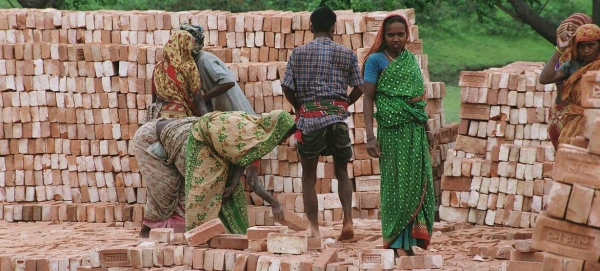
[(68, 240)]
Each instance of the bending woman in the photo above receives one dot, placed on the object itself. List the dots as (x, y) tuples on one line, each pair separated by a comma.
[(165, 171), (585, 56), (176, 80), (393, 83)]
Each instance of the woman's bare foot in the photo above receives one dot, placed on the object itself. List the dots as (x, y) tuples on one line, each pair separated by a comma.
[(347, 233), (145, 232), (315, 232)]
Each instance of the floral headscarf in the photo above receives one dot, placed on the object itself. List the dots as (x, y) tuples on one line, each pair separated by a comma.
[(176, 77), (571, 24)]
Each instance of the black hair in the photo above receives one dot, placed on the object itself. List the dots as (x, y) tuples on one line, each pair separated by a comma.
[(322, 19), (394, 19)]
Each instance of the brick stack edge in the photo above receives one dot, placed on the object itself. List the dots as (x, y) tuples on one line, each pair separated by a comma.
[(74, 87)]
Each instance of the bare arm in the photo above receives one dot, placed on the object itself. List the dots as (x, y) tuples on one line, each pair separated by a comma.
[(235, 180), (259, 189), (218, 90), (368, 109), (290, 97), (357, 91), (199, 102), (549, 74)]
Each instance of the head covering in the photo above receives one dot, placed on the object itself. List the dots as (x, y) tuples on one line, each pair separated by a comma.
[(379, 43), (571, 24), (586, 32), (176, 77), (197, 32), (178, 49)]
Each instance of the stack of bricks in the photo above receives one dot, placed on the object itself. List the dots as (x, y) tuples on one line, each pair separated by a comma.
[(499, 173), (572, 216), (74, 87)]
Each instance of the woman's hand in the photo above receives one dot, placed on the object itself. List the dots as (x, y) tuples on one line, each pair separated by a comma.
[(431, 140), (277, 210), (416, 99), (373, 148), (227, 193), (564, 39)]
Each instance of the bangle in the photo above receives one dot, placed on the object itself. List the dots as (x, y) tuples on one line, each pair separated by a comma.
[(559, 50), (370, 138)]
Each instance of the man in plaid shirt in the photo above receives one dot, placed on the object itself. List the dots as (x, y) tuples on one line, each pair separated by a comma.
[(315, 83)]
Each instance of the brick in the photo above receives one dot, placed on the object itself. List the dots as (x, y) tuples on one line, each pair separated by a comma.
[(376, 259), (594, 144), (261, 232), (420, 262), (587, 266), (558, 199), (558, 263), (198, 258), (456, 183), (229, 241), (580, 204), (367, 183), (286, 243), (519, 265), (293, 221), (527, 256), (473, 79), (456, 215), (554, 235), (471, 144), (578, 163), (328, 255), (474, 111), (162, 235), (114, 257), (204, 232)]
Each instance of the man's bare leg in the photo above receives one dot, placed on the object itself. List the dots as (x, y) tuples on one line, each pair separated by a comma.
[(309, 195), (345, 194)]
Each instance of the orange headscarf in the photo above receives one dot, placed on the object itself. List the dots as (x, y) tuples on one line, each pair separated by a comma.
[(586, 32), (571, 24), (378, 44)]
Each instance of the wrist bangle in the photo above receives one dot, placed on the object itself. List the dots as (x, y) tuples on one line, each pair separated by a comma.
[(370, 138), (559, 50)]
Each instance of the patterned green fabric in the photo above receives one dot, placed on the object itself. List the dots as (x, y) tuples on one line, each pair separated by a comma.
[(407, 200), (216, 141)]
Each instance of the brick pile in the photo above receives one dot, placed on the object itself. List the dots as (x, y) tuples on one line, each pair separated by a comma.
[(74, 87), (569, 228), (500, 170)]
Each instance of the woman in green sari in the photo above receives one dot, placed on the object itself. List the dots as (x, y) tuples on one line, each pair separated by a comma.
[(220, 145), (394, 84)]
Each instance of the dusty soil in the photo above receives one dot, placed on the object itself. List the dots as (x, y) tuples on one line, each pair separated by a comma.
[(68, 240)]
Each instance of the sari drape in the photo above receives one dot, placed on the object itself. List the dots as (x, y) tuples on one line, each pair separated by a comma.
[(572, 115), (407, 200), (216, 141), (176, 78)]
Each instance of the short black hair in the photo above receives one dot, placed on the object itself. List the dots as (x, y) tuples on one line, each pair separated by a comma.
[(322, 19)]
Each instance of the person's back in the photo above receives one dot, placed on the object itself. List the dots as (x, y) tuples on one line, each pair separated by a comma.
[(214, 72), (322, 71), (316, 83)]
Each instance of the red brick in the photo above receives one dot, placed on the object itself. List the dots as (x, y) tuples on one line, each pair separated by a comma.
[(519, 266), (229, 241), (293, 221), (554, 236), (204, 232), (328, 255), (578, 163), (261, 232), (114, 257)]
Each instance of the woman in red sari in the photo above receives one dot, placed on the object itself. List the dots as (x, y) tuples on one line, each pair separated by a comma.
[(585, 56)]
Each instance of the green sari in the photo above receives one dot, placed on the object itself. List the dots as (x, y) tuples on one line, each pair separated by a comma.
[(216, 141), (407, 200)]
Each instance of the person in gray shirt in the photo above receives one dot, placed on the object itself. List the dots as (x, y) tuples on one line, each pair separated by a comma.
[(218, 83)]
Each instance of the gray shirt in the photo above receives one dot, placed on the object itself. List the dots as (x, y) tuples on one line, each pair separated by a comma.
[(214, 72)]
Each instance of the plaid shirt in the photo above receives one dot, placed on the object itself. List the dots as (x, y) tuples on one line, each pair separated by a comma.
[(321, 70)]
